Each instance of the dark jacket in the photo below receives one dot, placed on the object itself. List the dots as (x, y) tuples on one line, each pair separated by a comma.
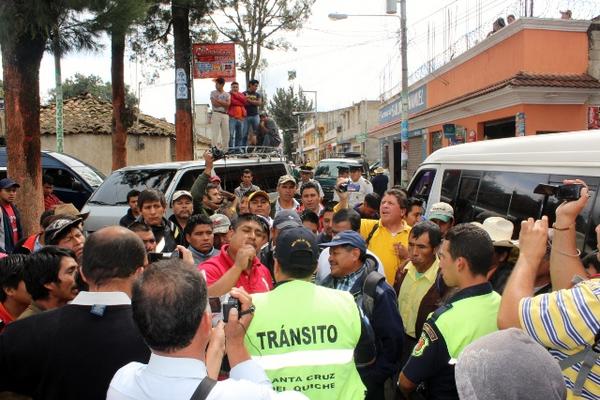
[(198, 189), (163, 231), (380, 183), (178, 234), (387, 326), (127, 219), (431, 301), (9, 245)]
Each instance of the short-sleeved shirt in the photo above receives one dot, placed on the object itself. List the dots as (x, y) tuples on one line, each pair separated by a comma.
[(251, 109), (221, 96), (470, 314), (382, 244), (564, 322)]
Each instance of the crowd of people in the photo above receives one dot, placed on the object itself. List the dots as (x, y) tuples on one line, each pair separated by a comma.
[(238, 295)]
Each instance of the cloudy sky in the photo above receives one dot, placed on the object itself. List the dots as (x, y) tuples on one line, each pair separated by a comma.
[(344, 61)]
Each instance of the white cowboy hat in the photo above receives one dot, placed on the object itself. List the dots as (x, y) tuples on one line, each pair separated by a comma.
[(500, 231)]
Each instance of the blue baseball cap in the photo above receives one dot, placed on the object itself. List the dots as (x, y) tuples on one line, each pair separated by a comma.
[(8, 183), (349, 238), (298, 246)]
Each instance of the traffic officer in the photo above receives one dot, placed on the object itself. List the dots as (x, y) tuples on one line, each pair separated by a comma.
[(308, 338), (465, 258), (358, 186)]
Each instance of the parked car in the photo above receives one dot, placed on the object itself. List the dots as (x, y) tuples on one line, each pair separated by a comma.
[(109, 202), (499, 176), (74, 180), (326, 172)]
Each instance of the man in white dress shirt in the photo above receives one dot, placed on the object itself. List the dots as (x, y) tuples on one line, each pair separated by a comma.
[(169, 306)]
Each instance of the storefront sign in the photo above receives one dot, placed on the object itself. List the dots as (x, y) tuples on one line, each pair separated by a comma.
[(417, 101), (472, 136), (449, 131), (594, 117), (214, 60), (520, 124)]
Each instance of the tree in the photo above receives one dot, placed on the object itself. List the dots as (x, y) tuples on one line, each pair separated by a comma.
[(24, 30), (181, 19), (79, 84), (281, 108), (70, 33), (252, 24), (117, 17)]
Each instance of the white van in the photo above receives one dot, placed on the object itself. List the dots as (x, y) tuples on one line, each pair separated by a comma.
[(499, 176)]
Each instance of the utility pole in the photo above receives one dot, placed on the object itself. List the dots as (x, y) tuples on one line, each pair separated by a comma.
[(404, 99)]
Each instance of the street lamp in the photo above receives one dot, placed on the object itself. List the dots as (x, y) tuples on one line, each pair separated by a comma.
[(404, 95)]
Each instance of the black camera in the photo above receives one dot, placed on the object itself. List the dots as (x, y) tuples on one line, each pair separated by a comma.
[(343, 187), (217, 153), (229, 305), (570, 192)]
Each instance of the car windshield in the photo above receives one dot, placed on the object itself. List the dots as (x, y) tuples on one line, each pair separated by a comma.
[(93, 178), (330, 168), (115, 188)]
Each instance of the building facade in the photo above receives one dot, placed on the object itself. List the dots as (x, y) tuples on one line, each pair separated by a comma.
[(534, 76)]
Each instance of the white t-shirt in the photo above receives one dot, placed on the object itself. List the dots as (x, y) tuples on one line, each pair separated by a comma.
[(356, 191), (324, 268)]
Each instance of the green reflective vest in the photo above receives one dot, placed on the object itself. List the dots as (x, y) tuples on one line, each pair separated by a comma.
[(304, 337)]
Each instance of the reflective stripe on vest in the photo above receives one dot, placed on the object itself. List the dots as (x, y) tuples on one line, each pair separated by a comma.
[(305, 358)]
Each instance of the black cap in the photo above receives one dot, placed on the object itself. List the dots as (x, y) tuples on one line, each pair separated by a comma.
[(356, 168), (343, 168), (297, 246), (286, 219), (56, 228), (8, 183)]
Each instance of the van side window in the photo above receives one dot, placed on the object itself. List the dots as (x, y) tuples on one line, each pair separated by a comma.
[(464, 210), (267, 175), (450, 186), (62, 179), (421, 184)]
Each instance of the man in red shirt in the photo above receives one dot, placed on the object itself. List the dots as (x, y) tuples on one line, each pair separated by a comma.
[(11, 231), (237, 264), (14, 297), (50, 199)]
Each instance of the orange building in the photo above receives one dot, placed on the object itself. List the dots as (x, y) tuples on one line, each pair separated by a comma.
[(529, 78)]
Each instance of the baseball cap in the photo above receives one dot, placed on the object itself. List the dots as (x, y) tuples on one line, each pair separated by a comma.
[(297, 246), (181, 193), (286, 219), (259, 193), (59, 226), (350, 238), (214, 179), (221, 223), (70, 209), (442, 211), (285, 179), (8, 183)]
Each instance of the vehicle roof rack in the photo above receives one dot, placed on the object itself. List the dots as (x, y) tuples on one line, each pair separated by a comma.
[(259, 152)]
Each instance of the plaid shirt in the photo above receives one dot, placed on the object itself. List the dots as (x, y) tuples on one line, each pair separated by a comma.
[(348, 281)]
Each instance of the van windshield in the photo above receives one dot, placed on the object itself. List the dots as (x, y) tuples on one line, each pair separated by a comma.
[(330, 168), (113, 191)]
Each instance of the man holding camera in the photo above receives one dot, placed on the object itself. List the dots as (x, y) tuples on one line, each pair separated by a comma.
[(567, 320), (357, 186), (169, 305)]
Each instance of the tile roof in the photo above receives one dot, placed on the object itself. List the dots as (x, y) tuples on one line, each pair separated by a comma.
[(90, 115), (524, 79)]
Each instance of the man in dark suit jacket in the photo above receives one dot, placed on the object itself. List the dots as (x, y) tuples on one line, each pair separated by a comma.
[(73, 352)]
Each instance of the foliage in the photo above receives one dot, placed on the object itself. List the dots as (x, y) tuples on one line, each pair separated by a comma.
[(281, 108), (79, 84), (252, 24), (151, 41)]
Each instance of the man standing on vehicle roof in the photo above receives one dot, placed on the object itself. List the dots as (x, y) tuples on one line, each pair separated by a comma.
[(253, 101)]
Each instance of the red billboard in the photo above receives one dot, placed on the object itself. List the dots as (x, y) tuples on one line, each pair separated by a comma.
[(214, 60)]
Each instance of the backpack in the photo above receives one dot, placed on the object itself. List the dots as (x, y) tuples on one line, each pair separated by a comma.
[(275, 139), (366, 300)]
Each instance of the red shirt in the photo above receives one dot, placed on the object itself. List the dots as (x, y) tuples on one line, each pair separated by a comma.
[(255, 280), (51, 201), (12, 219), (5, 317)]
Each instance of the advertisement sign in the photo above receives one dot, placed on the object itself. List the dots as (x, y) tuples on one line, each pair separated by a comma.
[(214, 60), (520, 124), (449, 131), (417, 101)]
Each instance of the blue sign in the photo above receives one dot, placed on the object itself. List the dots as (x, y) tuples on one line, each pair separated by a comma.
[(417, 101)]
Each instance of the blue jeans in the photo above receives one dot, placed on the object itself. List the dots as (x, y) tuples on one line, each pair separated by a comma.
[(235, 132), (252, 120)]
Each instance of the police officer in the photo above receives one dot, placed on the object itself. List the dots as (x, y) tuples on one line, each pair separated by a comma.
[(465, 258), (308, 338)]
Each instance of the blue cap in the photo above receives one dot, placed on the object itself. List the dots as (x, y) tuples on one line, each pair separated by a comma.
[(349, 238), (8, 183), (298, 246)]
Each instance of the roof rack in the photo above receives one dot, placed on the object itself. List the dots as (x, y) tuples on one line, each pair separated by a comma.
[(255, 152)]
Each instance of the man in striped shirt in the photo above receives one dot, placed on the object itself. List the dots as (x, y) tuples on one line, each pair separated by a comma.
[(566, 321)]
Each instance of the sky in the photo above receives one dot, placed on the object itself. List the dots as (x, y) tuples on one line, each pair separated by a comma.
[(344, 61)]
